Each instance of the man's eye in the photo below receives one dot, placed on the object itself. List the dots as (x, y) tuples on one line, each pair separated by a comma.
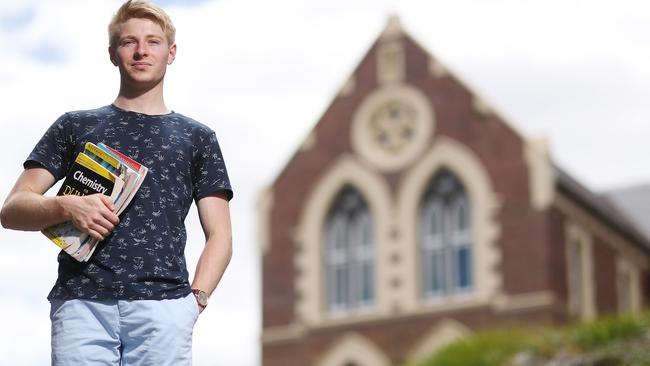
[(154, 41)]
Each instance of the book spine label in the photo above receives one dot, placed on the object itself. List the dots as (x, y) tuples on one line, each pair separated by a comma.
[(99, 155)]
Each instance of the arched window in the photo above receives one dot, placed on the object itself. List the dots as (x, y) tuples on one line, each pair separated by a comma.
[(349, 253), (445, 237)]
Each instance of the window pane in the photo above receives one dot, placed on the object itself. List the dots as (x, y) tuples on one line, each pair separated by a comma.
[(427, 272), (434, 270), (464, 275), (367, 289), (349, 257), (341, 286), (340, 235), (462, 215), (445, 237), (439, 277)]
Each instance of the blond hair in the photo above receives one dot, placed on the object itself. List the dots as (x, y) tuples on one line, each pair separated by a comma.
[(140, 9)]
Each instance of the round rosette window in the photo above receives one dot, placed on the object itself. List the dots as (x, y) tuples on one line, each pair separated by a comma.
[(392, 126)]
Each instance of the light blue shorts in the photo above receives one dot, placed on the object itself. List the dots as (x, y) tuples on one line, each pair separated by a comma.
[(120, 332)]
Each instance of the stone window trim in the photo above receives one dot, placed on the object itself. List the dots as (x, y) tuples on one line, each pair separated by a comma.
[(443, 333), (628, 285), (580, 272), (311, 306), (447, 153), (353, 348)]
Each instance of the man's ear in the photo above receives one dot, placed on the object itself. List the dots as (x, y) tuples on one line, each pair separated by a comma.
[(172, 54), (111, 55)]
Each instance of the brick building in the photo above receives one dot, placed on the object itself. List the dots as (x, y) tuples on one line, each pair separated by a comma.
[(413, 215)]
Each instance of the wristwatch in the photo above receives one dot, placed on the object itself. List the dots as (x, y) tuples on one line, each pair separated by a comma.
[(201, 297)]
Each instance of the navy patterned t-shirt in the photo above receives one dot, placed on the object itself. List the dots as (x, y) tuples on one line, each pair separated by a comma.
[(143, 258)]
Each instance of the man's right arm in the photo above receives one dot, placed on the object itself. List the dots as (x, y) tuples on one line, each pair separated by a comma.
[(26, 208)]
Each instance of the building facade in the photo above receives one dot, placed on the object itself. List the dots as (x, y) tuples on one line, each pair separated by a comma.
[(413, 215)]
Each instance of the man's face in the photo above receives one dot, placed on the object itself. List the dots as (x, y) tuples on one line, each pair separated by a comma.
[(142, 53)]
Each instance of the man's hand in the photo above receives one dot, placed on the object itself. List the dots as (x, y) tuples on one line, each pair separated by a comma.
[(91, 214), (27, 209)]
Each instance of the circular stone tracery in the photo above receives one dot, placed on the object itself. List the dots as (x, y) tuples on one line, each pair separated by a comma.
[(391, 127), (394, 125)]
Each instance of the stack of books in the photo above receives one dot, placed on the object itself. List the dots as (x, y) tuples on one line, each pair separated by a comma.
[(98, 169)]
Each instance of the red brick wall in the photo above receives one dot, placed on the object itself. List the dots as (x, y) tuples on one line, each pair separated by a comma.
[(557, 248), (645, 288)]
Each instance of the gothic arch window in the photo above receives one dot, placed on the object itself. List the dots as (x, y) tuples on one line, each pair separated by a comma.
[(349, 253), (445, 238)]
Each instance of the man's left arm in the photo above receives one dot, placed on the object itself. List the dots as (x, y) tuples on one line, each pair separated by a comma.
[(214, 214)]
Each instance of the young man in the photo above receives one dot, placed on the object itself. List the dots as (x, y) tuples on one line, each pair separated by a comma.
[(131, 303)]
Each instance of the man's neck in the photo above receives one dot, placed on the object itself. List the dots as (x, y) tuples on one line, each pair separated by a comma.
[(148, 102)]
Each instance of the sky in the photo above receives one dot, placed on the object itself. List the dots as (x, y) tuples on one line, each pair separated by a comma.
[(261, 73)]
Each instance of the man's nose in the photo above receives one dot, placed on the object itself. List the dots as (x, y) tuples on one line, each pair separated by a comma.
[(141, 50)]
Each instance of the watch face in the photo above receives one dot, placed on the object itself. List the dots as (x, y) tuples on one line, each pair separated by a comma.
[(201, 297)]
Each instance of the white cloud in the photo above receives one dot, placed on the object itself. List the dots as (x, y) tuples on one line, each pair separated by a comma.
[(27, 331)]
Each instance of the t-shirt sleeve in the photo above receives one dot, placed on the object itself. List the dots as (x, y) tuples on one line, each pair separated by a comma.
[(210, 174), (54, 150)]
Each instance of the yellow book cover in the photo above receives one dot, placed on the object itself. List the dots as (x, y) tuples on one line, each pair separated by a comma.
[(104, 158)]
